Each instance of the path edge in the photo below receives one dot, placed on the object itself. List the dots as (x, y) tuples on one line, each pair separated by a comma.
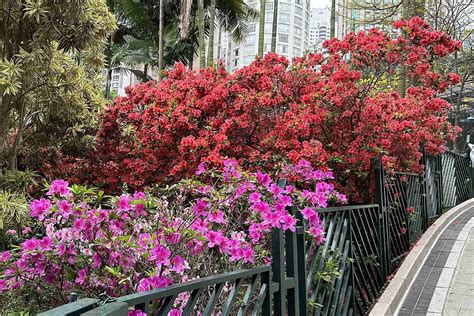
[(394, 295)]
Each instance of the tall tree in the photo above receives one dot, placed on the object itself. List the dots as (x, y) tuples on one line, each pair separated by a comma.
[(274, 26), (161, 40), (261, 28), (212, 21), (201, 37), (456, 18), (51, 61), (332, 26)]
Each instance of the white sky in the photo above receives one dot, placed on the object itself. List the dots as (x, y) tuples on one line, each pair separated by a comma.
[(320, 3)]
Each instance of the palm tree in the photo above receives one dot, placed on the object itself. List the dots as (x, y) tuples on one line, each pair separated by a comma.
[(261, 28), (201, 41), (332, 31), (274, 25), (212, 18), (160, 40)]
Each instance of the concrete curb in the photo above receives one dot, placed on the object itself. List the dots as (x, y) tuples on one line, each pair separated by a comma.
[(394, 294)]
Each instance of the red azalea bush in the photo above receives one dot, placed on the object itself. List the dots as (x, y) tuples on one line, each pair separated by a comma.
[(140, 242), (329, 110)]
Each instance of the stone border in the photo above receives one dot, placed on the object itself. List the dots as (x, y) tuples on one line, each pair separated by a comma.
[(440, 294), (394, 295)]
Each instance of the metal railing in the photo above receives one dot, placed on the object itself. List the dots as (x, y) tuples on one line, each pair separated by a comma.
[(343, 276)]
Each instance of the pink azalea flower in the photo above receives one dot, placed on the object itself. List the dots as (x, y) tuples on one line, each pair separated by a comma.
[(123, 204), (30, 244), (81, 277), (179, 264), (65, 207), (39, 208), (160, 255), (5, 256), (96, 260), (3, 285), (289, 223), (216, 217), (139, 196), (175, 312), (254, 197), (201, 168), (200, 207), (214, 238), (60, 187)]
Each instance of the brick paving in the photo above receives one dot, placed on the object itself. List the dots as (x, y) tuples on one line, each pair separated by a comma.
[(440, 286)]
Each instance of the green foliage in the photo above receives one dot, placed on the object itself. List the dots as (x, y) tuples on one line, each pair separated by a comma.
[(20, 181), (14, 212), (324, 278), (51, 61)]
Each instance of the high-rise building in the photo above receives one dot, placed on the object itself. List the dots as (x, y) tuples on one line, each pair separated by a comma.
[(319, 27), (123, 77), (353, 17), (292, 33)]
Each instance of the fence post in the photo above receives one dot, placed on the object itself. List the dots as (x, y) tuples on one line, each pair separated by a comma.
[(301, 264), (382, 224), (425, 195)]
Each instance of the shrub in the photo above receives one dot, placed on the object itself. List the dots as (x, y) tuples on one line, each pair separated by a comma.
[(93, 244), (333, 111)]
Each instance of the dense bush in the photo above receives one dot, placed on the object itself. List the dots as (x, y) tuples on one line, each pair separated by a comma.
[(334, 111), (90, 244)]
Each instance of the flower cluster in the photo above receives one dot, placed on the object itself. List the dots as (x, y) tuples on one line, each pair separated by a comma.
[(337, 111), (140, 242)]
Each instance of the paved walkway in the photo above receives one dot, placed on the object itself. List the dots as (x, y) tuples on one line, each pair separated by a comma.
[(445, 282)]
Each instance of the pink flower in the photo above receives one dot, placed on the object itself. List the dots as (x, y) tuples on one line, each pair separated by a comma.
[(139, 196), (65, 207), (261, 207), (3, 285), (96, 261), (151, 283), (255, 232), (60, 187), (81, 277), (289, 223), (248, 255), (200, 207), (254, 197), (136, 312), (179, 264), (201, 168), (160, 255), (11, 232), (216, 217), (214, 238), (175, 312), (39, 208), (275, 189), (5, 256), (123, 204), (26, 230), (30, 244)]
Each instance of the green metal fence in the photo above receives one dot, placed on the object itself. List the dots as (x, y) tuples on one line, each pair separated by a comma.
[(343, 276)]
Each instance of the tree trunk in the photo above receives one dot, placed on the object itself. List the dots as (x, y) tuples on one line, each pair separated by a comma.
[(219, 41), (160, 41), (261, 28), (332, 33), (108, 82), (210, 45), (201, 43), (457, 115), (5, 110), (274, 26)]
